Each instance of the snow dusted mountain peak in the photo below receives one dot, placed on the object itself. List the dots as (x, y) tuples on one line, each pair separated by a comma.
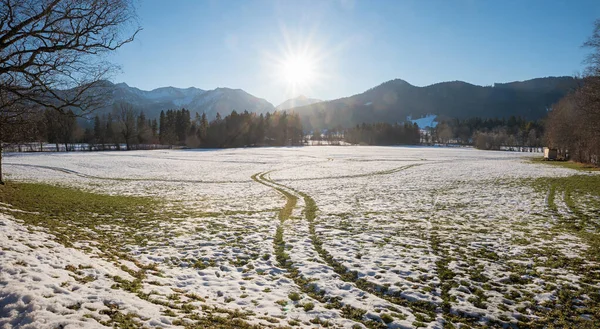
[(222, 100)]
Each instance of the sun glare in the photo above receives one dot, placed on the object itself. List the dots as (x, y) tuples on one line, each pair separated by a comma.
[(299, 64), (298, 70)]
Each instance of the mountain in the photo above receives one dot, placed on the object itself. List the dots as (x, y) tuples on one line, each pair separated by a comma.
[(296, 102), (395, 100), (221, 100)]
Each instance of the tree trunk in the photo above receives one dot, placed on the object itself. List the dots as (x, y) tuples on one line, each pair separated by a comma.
[(1, 178)]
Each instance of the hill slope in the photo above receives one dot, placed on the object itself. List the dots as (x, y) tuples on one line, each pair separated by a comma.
[(394, 100), (297, 102)]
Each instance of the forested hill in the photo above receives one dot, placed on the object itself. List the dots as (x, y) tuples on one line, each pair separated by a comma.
[(394, 100)]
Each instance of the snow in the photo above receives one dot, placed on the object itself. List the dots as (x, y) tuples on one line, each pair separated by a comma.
[(208, 97), (36, 291), (429, 121), (379, 211), (179, 97)]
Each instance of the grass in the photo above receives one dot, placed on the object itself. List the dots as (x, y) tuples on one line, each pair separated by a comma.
[(580, 194), (73, 215), (68, 201), (294, 296), (567, 164), (308, 307), (386, 318)]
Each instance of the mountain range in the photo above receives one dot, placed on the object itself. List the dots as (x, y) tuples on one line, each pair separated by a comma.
[(211, 102), (392, 101), (395, 100)]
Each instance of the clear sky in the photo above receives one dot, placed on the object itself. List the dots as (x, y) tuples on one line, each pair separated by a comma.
[(331, 49)]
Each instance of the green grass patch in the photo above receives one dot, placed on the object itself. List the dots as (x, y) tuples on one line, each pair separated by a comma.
[(567, 164), (73, 215), (582, 197)]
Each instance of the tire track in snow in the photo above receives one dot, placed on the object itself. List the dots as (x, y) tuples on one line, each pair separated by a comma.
[(449, 311), (442, 271), (303, 283), (346, 274), (284, 214), (375, 173), (119, 179)]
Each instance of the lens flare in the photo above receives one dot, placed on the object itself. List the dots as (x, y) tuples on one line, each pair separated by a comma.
[(298, 70)]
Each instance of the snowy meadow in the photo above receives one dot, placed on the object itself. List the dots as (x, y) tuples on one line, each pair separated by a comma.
[(340, 237)]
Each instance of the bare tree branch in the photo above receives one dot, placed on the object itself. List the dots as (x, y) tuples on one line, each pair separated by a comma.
[(50, 50), (51, 55)]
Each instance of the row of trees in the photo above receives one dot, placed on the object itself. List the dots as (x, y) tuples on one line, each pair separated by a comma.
[(384, 134), (279, 128), (250, 129), (573, 125), (125, 125), (488, 134), (107, 132), (122, 126)]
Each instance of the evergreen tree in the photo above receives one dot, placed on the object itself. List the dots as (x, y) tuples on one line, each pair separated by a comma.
[(162, 127), (203, 129)]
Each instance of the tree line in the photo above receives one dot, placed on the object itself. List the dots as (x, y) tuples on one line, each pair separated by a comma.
[(126, 128), (488, 134), (279, 128), (573, 125), (383, 134)]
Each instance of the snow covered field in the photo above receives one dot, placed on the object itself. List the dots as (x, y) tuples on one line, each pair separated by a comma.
[(312, 237)]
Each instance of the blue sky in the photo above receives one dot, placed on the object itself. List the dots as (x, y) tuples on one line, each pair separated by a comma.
[(352, 45)]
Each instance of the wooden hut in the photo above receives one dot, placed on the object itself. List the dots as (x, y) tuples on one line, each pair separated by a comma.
[(550, 153)]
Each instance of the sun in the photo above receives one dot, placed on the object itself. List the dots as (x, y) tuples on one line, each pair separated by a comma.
[(298, 64), (298, 70)]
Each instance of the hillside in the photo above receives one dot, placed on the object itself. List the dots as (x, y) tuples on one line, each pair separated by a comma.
[(394, 100)]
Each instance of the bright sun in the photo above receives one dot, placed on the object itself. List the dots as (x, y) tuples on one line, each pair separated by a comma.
[(298, 65), (298, 70)]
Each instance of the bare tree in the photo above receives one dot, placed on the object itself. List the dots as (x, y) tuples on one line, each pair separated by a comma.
[(573, 126), (125, 115), (593, 58), (51, 54)]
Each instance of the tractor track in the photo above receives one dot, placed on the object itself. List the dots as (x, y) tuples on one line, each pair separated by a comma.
[(344, 273)]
